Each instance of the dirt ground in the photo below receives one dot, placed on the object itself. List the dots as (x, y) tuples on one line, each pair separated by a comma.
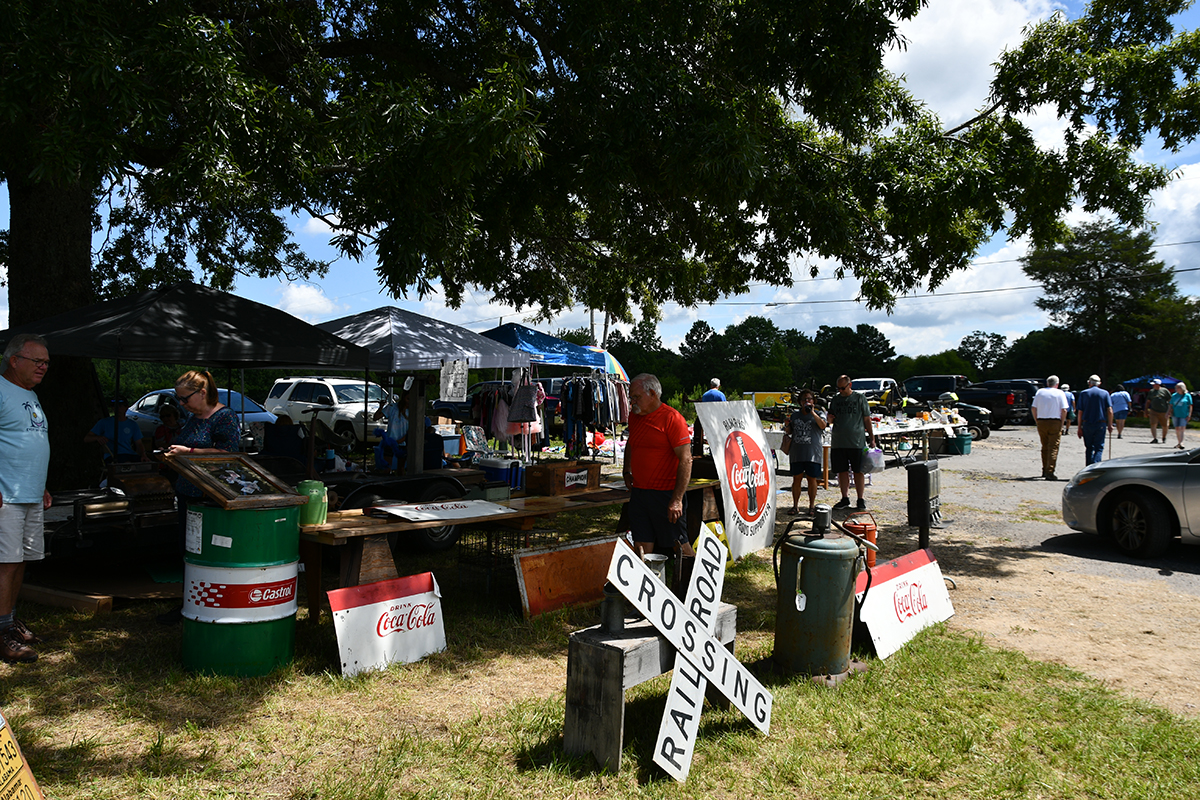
[(1023, 580)]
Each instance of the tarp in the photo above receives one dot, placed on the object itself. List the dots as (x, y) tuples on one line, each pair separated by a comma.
[(1144, 381), (190, 324), (402, 340), (547, 349)]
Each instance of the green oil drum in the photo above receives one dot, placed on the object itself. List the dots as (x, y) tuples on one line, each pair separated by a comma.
[(239, 589), (814, 613)]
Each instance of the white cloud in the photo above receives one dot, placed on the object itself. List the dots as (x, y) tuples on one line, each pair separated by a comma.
[(318, 227), (952, 45), (308, 302)]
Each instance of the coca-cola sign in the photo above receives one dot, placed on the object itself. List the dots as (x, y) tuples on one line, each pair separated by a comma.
[(746, 469), (406, 617)]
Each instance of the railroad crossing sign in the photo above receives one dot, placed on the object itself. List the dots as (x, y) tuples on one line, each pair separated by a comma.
[(699, 658)]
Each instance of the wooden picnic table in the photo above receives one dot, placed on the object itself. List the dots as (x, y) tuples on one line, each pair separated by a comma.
[(366, 554)]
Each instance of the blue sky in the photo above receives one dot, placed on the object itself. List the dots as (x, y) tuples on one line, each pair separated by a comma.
[(952, 45)]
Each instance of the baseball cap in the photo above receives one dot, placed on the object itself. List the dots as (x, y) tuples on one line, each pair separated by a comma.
[(1093, 379), (1155, 382)]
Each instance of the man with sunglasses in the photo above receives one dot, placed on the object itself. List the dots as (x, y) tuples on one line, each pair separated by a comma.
[(850, 415), (24, 461)]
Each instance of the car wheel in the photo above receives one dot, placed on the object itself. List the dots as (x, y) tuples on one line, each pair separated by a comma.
[(977, 432), (996, 425), (432, 540), (1140, 524)]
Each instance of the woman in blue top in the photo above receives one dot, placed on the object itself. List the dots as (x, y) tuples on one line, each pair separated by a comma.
[(1181, 409), (212, 428), (1121, 402)]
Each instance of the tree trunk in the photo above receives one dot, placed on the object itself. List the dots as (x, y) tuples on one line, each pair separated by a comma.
[(50, 266)]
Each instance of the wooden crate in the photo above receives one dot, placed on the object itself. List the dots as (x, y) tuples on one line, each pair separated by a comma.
[(562, 477)]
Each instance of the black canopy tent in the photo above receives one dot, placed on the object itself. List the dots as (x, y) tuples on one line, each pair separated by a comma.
[(401, 340), (191, 324)]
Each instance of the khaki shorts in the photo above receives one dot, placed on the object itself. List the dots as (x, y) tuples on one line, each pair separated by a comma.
[(1158, 418), (22, 534)]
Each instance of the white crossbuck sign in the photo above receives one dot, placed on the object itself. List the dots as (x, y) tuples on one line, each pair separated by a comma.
[(700, 658)]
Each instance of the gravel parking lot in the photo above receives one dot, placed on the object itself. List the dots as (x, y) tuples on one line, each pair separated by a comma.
[(1025, 580)]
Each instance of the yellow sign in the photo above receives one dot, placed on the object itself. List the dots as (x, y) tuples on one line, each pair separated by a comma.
[(15, 778)]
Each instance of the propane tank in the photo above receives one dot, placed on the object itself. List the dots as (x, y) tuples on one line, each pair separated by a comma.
[(814, 581)]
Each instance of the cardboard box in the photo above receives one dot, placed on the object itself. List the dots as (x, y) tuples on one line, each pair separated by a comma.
[(562, 477)]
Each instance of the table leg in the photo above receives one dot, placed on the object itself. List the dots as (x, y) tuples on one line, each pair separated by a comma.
[(310, 557)]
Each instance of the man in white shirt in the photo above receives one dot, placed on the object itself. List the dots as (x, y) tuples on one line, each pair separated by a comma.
[(1049, 408)]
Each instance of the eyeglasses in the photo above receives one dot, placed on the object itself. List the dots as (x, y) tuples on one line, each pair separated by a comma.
[(184, 398), (37, 362)]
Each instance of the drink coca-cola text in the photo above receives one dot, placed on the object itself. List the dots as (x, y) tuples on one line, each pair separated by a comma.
[(909, 600), (406, 617)]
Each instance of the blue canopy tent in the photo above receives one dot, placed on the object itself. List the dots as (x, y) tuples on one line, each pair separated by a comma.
[(1143, 383), (547, 349)]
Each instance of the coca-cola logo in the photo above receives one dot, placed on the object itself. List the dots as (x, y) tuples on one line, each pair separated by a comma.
[(746, 470), (405, 617), (909, 599)]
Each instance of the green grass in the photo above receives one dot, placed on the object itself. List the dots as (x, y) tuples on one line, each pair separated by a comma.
[(109, 713)]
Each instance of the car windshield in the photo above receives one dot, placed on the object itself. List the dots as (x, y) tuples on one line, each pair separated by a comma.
[(235, 401), (353, 393), (865, 384)]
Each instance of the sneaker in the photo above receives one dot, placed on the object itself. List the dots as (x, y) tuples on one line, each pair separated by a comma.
[(1051, 477), (22, 632), (843, 503), (13, 650), (862, 504), (1119, 436), (1154, 441)]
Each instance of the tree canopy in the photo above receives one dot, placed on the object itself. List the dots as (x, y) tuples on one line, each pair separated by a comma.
[(557, 152), (1119, 302)]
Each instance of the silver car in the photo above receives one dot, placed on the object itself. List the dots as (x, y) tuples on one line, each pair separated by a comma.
[(1143, 502), (255, 418)]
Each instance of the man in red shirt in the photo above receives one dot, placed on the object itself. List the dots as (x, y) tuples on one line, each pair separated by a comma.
[(658, 466)]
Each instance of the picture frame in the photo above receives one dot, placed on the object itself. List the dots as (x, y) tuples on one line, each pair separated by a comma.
[(234, 481)]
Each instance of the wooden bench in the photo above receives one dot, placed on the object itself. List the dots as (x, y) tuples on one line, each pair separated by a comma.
[(601, 666)]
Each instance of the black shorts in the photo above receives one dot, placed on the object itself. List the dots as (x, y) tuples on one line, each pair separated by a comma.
[(647, 515), (845, 459)]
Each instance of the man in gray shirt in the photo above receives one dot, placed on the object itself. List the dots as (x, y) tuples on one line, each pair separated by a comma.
[(850, 415)]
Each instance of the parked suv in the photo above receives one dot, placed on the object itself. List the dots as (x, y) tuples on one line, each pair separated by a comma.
[(340, 400)]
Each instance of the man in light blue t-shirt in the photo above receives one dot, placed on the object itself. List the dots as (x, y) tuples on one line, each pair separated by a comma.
[(120, 436), (24, 462)]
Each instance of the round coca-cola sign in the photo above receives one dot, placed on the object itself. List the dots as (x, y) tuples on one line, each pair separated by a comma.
[(746, 469)]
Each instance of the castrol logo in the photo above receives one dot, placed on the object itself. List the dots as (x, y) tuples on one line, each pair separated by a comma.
[(272, 594), (746, 470), (214, 594)]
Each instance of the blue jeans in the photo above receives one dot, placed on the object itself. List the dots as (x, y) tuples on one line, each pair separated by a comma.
[(1093, 440)]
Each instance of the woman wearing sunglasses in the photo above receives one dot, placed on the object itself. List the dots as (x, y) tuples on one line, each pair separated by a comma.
[(212, 428)]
